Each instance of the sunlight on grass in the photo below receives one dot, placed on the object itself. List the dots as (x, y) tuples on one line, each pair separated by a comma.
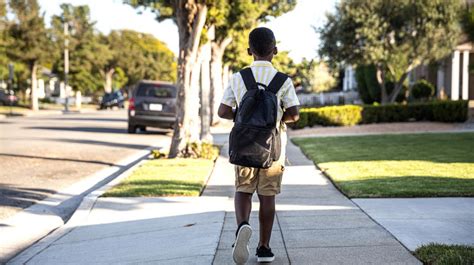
[(415, 165), (445, 254), (165, 177)]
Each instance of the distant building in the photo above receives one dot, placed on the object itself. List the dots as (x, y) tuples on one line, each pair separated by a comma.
[(349, 82), (451, 75)]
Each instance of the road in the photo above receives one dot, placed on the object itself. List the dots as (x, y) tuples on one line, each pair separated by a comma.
[(41, 155)]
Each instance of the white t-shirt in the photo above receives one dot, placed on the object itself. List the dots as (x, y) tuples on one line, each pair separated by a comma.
[(263, 71)]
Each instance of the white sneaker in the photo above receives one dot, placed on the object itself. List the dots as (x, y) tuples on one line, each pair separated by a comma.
[(240, 251)]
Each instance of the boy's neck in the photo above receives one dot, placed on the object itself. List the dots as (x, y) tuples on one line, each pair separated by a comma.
[(268, 58)]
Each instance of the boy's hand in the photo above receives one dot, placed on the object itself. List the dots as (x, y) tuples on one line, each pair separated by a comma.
[(291, 115), (225, 112)]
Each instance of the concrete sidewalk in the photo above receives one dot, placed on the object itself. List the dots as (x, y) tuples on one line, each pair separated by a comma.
[(419, 221), (315, 223), (136, 231)]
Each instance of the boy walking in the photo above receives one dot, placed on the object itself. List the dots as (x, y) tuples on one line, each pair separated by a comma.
[(265, 100)]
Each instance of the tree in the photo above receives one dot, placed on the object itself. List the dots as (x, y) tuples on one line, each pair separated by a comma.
[(146, 58), (190, 17), (232, 21), (31, 41), (394, 36), (315, 76), (87, 55), (467, 21), (4, 39)]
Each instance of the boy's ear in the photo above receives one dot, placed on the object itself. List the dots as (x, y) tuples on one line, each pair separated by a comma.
[(249, 51), (275, 50)]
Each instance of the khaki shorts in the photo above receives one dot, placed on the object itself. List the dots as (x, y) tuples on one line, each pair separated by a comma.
[(266, 182)]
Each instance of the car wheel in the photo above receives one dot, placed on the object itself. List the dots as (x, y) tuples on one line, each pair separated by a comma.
[(142, 128), (132, 128)]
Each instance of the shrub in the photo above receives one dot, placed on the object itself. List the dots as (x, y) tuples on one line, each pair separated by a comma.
[(200, 150), (450, 111), (422, 89), (335, 115), (443, 111)]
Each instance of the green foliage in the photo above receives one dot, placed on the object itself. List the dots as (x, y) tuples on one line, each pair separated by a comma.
[(314, 76), (244, 15), (394, 36), (467, 22), (4, 60), (157, 154), (29, 43), (440, 254), (200, 150), (367, 84), (87, 55), (442, 111), (346, 115), (423, 89), (146, 56)]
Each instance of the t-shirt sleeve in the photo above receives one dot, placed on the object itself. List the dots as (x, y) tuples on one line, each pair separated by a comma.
[(289, 98), (229, 97)]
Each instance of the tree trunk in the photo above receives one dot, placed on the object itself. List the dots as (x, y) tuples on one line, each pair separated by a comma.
[(194, 100), (108, 80), (217, 84), (34, 86), (398, 87), (381, 81), (190, 18), (78, 100), (205, 89)]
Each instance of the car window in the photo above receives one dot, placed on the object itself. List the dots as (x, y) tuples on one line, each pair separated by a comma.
[(156, 91)]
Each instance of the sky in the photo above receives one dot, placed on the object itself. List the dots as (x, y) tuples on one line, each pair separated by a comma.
[(293, 30)]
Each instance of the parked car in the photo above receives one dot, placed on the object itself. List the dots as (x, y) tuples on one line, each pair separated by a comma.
[(114, 99), (7, 98), (152, 104)]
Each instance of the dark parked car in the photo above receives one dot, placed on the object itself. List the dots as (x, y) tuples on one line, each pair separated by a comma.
[(7, 98), (114, 99), (153, 104)]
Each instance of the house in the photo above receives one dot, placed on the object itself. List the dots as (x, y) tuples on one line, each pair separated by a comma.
[(451, 75)]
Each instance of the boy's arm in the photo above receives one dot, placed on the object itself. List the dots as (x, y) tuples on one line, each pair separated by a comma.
[(290, 115), (225, 112)]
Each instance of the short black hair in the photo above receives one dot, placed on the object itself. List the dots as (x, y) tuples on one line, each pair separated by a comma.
[(262, 41)]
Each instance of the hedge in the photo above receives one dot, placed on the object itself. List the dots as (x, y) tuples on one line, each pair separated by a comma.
[(347, 115)]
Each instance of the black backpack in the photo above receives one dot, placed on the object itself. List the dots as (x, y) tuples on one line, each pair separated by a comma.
[(254, 140)]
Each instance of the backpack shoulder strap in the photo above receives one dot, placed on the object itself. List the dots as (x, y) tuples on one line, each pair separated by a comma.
[(249, 79), (277, 82)]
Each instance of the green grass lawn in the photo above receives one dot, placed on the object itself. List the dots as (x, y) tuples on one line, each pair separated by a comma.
[(165, 177), (438, 254), (410, 165)]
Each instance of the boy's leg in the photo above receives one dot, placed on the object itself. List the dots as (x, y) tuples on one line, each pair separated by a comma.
[(266, 216), (243, 206)]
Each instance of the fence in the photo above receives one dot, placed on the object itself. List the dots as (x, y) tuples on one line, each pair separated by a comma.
[(329, 98)]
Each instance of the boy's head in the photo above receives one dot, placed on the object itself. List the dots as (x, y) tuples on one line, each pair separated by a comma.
[(262, 44)]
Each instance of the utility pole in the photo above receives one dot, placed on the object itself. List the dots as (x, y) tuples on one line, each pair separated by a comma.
[(66, 64)]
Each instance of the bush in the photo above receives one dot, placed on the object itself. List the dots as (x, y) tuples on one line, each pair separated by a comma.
[(423, 89), (330, 116), (443, 111), (200, 150)]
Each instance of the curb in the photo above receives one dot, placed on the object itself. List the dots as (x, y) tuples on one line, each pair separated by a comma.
[(82, 213), (58, 211)]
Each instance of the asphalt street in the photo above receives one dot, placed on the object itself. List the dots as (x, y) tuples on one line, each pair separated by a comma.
[(41, 155)]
